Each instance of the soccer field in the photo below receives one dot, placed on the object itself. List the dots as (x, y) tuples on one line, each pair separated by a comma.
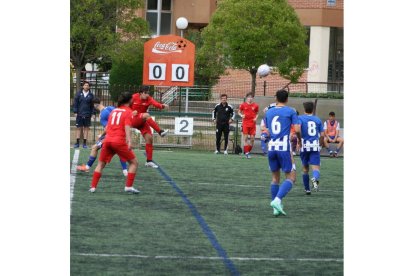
[(204, 214)]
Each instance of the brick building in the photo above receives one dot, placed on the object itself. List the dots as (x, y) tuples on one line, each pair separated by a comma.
[(322, 18)]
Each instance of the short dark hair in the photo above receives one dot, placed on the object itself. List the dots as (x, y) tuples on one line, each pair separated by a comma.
[(332, 113), (308, 107), (85, 82), (124, 98), (96, 100), (249, 94), (282, 95), (223, 95), (144, 88)]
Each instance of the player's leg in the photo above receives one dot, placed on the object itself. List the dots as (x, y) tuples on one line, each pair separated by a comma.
[(294, 142), (226, 130), (124, 167), (86, 125), (107, 153), (285, 160), (126, 154), (315, 162), (78, 130), (245, 134), (304, 156), (340, 141), (252, 133), (326, 144), (219, 130), (149, 150), (154, 125), (274, 167)]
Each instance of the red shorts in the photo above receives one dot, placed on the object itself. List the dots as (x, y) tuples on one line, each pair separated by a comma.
[(249, 130), (137, 121), (145, 128), (109, 149)]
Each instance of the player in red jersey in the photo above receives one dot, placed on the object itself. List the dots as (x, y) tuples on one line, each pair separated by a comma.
[(141, 101), (118, 141), (249, 111)]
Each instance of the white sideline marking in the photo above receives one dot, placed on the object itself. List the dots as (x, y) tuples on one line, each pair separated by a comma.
[(240, 185), (73, 176), (213, 258)]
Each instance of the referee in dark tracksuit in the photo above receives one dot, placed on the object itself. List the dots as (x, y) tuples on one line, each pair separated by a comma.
[(223, 115)]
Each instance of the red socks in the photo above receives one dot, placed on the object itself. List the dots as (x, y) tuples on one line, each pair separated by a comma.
[(130, 179), (148, 150), (247, 148), (95, 179), (153, 124)]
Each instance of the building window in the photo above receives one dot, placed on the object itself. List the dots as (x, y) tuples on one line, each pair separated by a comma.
[(336, 55), (159, 16)]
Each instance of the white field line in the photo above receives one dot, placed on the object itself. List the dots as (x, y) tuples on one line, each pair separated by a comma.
[(212, 258), (240, 185), (73, 176)]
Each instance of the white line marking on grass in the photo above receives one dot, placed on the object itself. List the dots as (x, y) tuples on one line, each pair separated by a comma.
[(240, 185), (212, 258), (73, 176)]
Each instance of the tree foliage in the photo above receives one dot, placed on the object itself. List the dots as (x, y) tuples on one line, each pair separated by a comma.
[(127, 67), (93, 28), (244, 34), (207, 69)]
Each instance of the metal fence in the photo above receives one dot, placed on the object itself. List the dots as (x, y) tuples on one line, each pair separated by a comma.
[(197, 102)]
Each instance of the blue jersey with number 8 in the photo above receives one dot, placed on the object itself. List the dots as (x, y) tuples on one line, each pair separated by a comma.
[(311, 128)]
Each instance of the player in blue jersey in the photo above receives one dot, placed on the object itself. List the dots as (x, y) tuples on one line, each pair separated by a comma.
[(312, 139), (104, 115), (278, 120)]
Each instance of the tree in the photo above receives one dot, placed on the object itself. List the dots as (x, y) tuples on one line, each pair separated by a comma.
[(207, 70), (127, 67), (247, 33), (93, 28)]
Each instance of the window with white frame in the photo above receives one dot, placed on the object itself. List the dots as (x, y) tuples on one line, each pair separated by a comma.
[(159, 16)]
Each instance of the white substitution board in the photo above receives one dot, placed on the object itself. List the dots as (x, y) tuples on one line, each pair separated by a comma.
[(183, 126)]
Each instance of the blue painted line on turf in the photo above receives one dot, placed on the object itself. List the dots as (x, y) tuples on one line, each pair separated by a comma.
[(206, 229)]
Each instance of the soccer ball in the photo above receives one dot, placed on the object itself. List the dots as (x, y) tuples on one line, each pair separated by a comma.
[(263, 70)]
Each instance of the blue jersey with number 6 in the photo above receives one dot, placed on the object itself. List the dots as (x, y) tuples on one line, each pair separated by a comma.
[(278, 121), (311, 128)]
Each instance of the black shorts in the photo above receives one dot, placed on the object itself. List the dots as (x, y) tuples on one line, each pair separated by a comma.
[(83, 121)]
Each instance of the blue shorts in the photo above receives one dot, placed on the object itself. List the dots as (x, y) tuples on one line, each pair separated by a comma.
[(310, 158), (83, 121), (280, 160), (100, 141)]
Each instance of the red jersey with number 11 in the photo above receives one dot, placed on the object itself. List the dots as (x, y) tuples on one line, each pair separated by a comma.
[(118, 119)]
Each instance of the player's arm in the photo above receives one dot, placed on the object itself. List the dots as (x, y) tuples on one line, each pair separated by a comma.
[(298, 135), (240, 111), (128, 136), (214, 114), (158, 104), (336, 133), (321, 138), (232, 114), (75, 104)]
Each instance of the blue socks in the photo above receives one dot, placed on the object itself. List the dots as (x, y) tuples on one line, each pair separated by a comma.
[(124, 165), (274, 188), (284, 188), (91, 160), (316, 174), (305, 178)]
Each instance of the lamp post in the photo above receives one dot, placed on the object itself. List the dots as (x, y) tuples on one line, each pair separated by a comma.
[(182, 24)]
